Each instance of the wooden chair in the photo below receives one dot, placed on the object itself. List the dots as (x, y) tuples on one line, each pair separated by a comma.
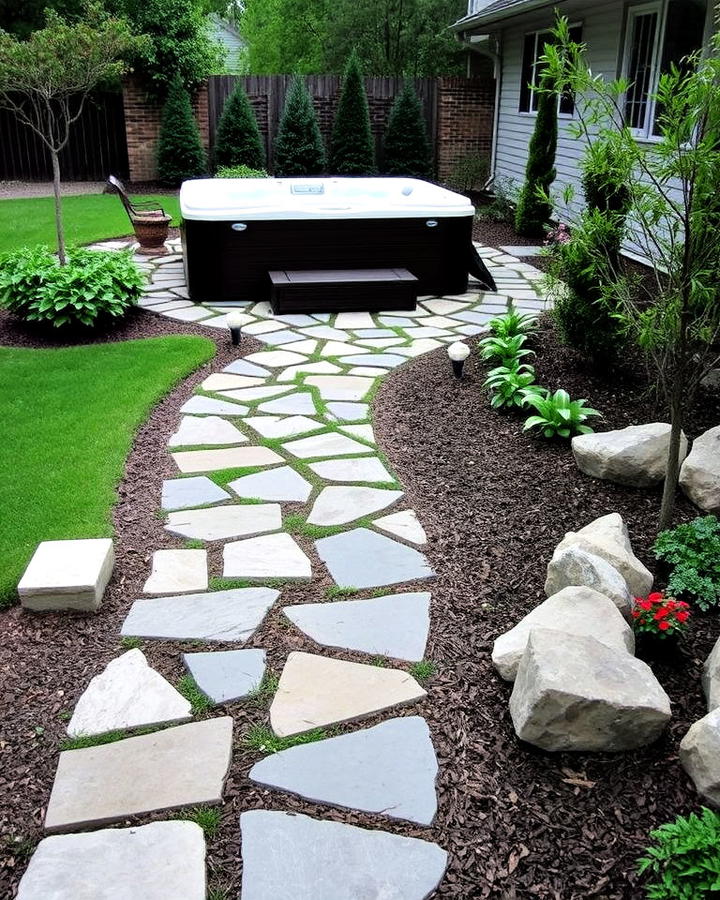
[(140, 209)]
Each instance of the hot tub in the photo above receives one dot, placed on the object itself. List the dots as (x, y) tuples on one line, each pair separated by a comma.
[(236, 231)]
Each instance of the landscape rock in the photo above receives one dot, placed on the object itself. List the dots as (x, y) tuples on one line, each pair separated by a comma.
[(711, 382), (700, 756), (635, 456), (711, 677), (67, 575), (346, 555), (177, 571), (576, 693), (226, 675), (574, 566), (700, 473)]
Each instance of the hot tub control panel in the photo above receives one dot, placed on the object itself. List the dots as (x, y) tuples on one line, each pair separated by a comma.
[(307, 188)]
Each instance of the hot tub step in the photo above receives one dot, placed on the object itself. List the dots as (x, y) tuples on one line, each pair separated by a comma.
[(339, 290)]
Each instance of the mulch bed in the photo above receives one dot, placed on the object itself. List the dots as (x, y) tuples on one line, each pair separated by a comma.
[(517, 822)]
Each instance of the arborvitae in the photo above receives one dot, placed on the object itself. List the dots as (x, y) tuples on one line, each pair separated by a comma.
[(533, 210), (238, 141), (406, 147), (299, 146), (352, 148), (180, 153)]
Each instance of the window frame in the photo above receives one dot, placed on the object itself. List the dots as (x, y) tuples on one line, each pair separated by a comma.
[(660, 7), (532, 108)]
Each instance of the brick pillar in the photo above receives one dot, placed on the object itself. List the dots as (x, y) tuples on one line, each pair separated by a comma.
[(142, 126), (464, 119)]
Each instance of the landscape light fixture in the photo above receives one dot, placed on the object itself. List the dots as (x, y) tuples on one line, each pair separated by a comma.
[(234, 322), (458, 353)]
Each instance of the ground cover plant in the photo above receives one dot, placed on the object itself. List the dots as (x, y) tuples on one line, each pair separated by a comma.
[(692, 553), (69, 418)]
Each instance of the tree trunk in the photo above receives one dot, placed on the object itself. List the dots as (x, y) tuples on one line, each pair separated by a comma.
[(672, 473), (58, 208)]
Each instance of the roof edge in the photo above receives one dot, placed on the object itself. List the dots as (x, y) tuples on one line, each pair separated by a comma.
[(481, 20)]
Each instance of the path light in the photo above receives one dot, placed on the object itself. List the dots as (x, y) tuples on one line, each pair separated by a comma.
[(458, 353), (234, 322)]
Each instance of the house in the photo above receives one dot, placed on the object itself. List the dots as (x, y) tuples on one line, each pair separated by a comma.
[(630, 38), (227, 35)]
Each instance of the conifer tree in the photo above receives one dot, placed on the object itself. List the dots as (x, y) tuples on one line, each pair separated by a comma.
[(406, 147), (352, 148), (238, 141), (299, 146), (534, 210), (180, 153)]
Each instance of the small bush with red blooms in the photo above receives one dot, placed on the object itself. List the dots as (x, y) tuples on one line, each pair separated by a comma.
[(660, 615)]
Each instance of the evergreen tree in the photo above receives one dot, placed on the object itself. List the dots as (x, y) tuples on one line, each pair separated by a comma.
[(533, 209), (238, 141), (299, 146), (406, 147), (180, 153), (352, 148)]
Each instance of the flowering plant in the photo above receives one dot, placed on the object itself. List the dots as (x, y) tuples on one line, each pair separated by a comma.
[(559, 235), (660, 615)]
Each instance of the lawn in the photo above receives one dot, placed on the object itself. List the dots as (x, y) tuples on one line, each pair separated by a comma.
[(69, 416), (88, 217)]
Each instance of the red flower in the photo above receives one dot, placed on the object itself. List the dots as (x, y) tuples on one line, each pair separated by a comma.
[(664, 625), (661, 613), (656, 597), (644, 604), (671, 604), (636, 613), (682, 616)]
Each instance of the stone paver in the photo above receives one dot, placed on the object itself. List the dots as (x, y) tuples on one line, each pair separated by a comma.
[(338, 505), (326, 333), (221, 522), (177, 570), (404, 525), (282, 427), (323, 367), (158, 861), (295, 404), (232, 458), (243, 367), (333, 861), (389, 360), (183, 493), (205, 430), (340, 387), (346, 555), (249, 395), (316, 692), (388, 770), (362, 468), (270, 556), (226, 675), (224, 381), (349, 412), (329, 444), (67, 575), (210, 406), (283, 484), (182, 766), (275, 359), (354, 320)]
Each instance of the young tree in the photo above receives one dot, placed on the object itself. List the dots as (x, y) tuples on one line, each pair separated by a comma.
[(299, 146), (180, 153), (238, 141), (534, 209), (46, 80), (352, 148), (406, 147)]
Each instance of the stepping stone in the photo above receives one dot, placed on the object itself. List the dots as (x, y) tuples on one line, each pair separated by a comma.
[(381, 343), (232, 615), (475, 318), (329, 444), (222, 522), (403, 525), (262, 309), (305, 347), (182, 493), (417, 348), (354, 320), (298, 319), (375, 333), (232, 458), (265, 327), (471, 330), (127, 694), (311, 368), (296, 404), (364, 468), (257, 393), (243, 367), (275, 359), (271, 556), (399, 321), (278, 338), (183, 766), (321, 317), (332, 861), (67, 575), (426, 331), (152, 862), (404, 313), (439, 322), (341, 504), (346, 555), (221, 322), (191, 314), (349, 411), (205, 430), (228, 675), (368, 371), (281, 427), (222, 381), (523, 251), (340, 387), (278, 484), (442, 307), (388, 770), (389, 360), (326, 333), (338, 348), (177, 570), (209, 406), (316, 692), (396, 625), (364, 432)]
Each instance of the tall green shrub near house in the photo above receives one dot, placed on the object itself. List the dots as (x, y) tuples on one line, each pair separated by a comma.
[(407, 148), (180, 153), (299, 146), (534, 208), (352, 149), (238, 141)]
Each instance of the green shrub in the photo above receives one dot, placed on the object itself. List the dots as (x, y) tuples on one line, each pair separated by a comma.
[(693, 552), (534, 208), (180, 154), (506, 349), (352, 149), (407, 148), (503, 204), (299, 146), (684, 858), (240, 172), (512, 323), (92, 286), (470, 173), (510, 385), (238, 141), (558, 415)]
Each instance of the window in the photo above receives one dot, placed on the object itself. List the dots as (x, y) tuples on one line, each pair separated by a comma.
[(657, 34), (533, 49)]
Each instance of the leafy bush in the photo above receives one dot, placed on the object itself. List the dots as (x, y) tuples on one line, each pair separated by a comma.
[(693, 552), (558, 415), (180, 154), (240, 172), (299, 147), (470, 173), (503, 204), (512, 323), (534, 208), (92, 286), (509, 385), (352, 148), (503, 348), (238, 140), (684, 858), (407, 147)]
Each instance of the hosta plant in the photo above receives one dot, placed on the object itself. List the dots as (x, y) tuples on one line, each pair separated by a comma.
[(512, 323), (508, 385), (660, 616), (692, 550), (505, 349), (557, 415)]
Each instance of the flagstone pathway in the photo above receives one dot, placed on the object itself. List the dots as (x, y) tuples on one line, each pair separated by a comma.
[(295, 419)]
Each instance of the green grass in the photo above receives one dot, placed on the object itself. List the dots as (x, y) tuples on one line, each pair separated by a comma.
[(207, 817), (262, 739), (199, 702), (131, 643), (423, 671), (88, 217), (263, 694), (69, 416)]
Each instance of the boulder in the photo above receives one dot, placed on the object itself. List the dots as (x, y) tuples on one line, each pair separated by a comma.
[(711, 677), (700, 473), (576, 693), (607, 537), (700, 756), (574, 566), (636, 456), (573, 610), (711, 382)]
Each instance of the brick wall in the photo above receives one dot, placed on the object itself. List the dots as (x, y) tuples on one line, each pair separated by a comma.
[(465, 109)]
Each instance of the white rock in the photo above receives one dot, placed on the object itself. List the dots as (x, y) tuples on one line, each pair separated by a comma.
[(575, 566), (177, 571), (700, 473), (636, 456), (207, 430), (404, 525), (337, 505), (270, 556), (711, 677), (67, 575), (700, 756)]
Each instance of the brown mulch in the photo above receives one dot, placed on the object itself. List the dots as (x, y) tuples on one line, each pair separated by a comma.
[(516, 822)]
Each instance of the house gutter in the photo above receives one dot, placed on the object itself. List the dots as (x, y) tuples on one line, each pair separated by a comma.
[(480, 20)]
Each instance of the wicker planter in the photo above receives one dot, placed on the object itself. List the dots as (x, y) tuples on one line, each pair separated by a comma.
[(151, 232)]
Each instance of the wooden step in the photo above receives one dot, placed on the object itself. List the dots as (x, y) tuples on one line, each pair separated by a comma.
[(342, 290)]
